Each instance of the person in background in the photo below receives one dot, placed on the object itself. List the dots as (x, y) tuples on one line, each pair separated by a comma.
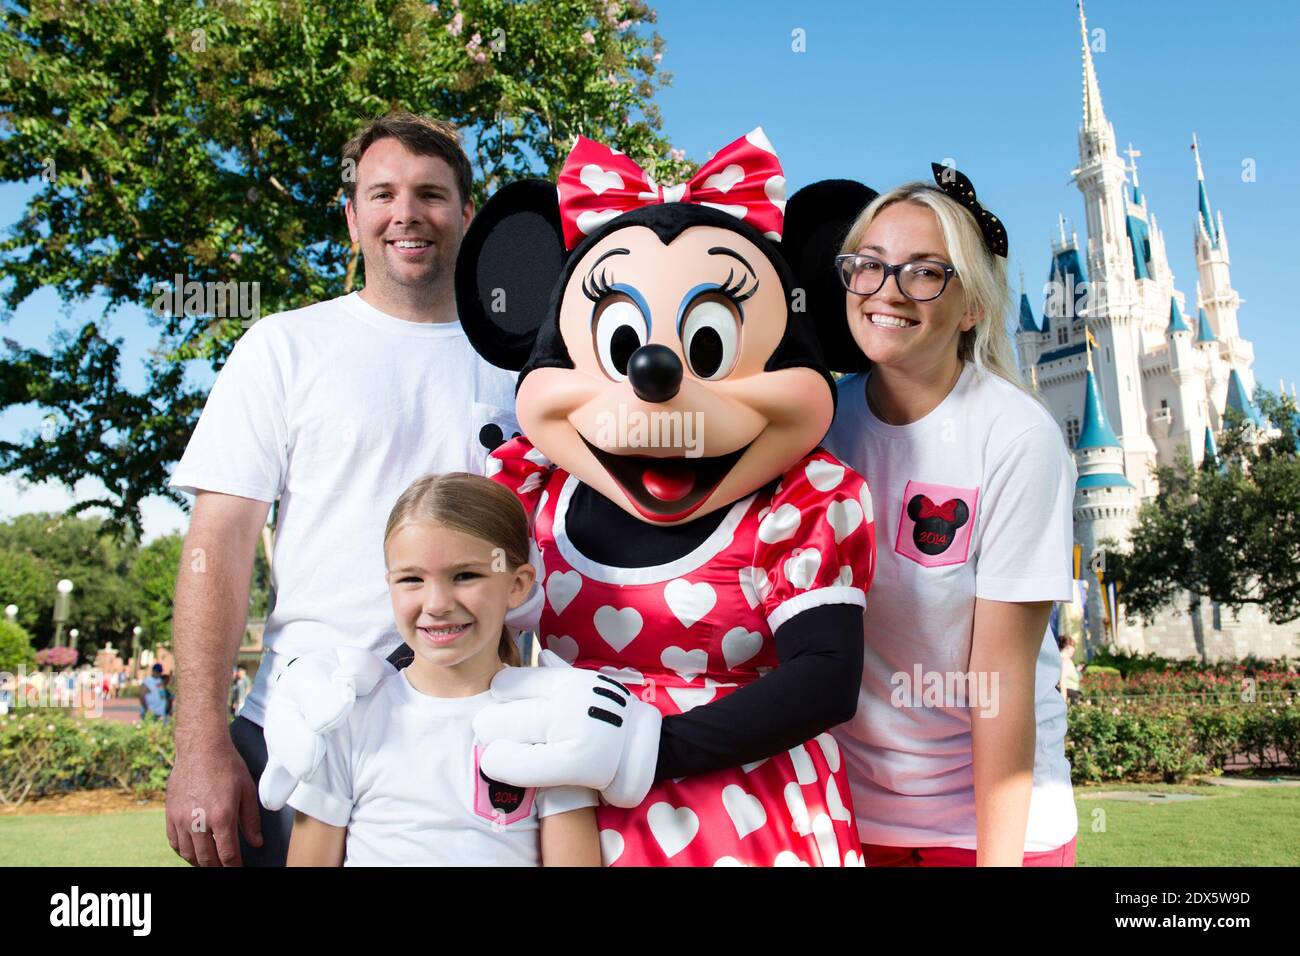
[(1069, 673), (153, 694)]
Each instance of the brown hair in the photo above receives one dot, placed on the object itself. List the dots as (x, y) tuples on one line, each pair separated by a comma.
[(473, 505), (420, 134)]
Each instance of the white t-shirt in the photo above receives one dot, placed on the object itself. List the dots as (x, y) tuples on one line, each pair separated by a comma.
[(975, 500), (401, 774), (334, 410)]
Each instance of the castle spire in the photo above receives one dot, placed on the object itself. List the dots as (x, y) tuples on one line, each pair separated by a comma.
[(1093, 116), (1207, 220)]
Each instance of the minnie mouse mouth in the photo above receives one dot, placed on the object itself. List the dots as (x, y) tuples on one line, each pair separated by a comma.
[(665, 489)]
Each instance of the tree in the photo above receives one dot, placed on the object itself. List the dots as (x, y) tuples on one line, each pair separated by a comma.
[(28, 583), (103, 604), (1228, 529), (153, 577), (169, 138)]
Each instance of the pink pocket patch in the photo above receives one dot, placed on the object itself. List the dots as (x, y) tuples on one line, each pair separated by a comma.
[(498, 801), (934, 528)]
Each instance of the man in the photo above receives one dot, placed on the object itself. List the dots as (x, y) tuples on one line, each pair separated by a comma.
[(331, 410)]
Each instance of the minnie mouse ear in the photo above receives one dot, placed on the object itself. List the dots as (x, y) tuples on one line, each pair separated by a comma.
[(509, 261), (817, 218)]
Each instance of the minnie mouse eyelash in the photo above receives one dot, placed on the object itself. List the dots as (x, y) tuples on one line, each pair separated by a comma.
[(733, 291)]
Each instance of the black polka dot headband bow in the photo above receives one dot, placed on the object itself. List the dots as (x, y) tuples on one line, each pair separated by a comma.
[(953, 182)]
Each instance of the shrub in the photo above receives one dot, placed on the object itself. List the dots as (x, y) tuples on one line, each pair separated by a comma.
[(15, 647), (46, 750), (1131, 739)]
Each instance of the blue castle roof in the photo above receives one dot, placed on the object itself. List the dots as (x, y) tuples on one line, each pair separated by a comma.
[(1096, 432), (1176, 323), (1211, 449), (1027, 321), (1239, 400), (1203, 331), (1067, 277), (1140, 240), (1206, 219), (1104, 481)]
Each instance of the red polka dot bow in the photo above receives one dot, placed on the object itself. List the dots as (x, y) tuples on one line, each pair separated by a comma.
[(743, 178)]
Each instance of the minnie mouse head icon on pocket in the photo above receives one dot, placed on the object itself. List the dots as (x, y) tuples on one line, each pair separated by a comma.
[(499, 802), (934, 529)]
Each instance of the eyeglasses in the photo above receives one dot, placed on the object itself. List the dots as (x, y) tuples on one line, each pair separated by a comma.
[(920, 280)]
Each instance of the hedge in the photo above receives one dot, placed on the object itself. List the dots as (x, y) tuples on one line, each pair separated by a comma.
[(1115, 740), (44, 751)]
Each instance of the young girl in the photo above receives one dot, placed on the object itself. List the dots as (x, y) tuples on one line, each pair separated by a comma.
[(400, 784), (973, 491)]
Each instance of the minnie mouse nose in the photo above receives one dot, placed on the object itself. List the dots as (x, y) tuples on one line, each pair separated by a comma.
[(655, 373)]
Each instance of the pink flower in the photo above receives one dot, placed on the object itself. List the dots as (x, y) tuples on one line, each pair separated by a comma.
[(456, 25), (657, 57), (678, 155), (588, 39)]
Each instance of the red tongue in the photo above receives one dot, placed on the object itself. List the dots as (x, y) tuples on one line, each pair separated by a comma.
[(669, 481)]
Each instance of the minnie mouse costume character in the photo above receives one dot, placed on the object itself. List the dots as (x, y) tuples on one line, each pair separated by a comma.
[(704, 563)]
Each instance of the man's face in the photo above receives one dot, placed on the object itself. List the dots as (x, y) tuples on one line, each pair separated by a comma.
[(408, 216)]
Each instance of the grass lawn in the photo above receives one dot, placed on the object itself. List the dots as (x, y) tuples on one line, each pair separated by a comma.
[(1230, 827), (130, 838)]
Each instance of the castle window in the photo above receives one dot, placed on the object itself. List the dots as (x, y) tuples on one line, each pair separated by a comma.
[(1071, 431), (1062, 334)]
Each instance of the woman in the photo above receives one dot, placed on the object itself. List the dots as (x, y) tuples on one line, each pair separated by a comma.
[(956, 754)]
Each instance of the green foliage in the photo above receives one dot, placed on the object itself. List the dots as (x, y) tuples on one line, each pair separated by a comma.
[(167, 137), (15, 648), (102, 606), (28, 583), (1229, 529), (153, 577), (1121, 740), (118, 585), (47, 751)]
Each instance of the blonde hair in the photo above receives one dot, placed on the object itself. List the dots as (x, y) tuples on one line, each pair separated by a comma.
[(473, 505), (983, 275)]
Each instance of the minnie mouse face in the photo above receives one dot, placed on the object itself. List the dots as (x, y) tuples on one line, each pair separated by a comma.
[(668, 361), (935, 526), (670, 407)]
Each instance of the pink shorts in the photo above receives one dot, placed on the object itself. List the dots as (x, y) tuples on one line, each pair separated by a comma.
[(876, 855)]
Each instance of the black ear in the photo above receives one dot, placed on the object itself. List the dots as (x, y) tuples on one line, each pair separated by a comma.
[(914, 507), (817, 218), (961, 516), (510, 260)]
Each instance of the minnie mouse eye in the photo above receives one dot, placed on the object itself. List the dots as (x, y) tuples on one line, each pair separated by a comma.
[(620, 330), (711, 338)]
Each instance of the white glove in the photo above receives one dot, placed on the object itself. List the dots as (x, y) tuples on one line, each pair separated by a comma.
[(559, 725), (312, 696)]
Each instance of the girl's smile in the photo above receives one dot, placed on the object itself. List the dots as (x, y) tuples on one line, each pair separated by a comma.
[(450, 593)]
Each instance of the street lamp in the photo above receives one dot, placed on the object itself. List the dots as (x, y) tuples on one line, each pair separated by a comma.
[(72, 638), (11, 612), (61, 601), (135, 648)]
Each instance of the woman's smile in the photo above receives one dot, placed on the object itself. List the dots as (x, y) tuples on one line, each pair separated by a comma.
[(442, 634)]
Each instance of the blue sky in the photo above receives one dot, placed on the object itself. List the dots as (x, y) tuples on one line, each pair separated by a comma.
[(881, 90)]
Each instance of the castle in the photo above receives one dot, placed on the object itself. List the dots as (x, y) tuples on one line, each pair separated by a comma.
[(1131, 373)]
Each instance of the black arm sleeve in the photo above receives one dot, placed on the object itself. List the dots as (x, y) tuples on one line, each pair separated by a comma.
[(814, 688)]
